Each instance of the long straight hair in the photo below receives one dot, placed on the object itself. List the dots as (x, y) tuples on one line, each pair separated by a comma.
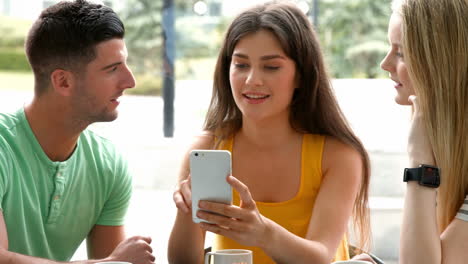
[(314, 108), (435, 46)]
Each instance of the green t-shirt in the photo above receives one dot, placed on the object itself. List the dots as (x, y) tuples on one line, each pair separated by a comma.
[(50, 207)]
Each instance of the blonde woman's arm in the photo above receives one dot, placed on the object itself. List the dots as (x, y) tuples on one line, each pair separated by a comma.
[(420, 239)]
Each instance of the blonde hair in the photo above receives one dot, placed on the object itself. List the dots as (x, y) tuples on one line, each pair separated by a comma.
[(435, 46)]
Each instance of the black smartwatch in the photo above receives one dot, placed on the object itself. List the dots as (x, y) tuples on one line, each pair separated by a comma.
[(425, 175)]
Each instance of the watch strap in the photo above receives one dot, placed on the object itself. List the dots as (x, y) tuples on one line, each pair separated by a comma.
[(412, 174)]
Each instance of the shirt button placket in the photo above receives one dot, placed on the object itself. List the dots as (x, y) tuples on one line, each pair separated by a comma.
[(56, 203)]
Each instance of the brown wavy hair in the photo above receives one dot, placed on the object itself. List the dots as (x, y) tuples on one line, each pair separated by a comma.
[(314, 108)]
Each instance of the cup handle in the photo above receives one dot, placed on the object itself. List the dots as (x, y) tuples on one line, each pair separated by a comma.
[(207, 257)]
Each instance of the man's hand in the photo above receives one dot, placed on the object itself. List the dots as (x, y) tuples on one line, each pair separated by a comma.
[(136, 250)]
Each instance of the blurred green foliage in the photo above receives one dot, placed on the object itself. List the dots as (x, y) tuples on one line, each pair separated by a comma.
[(353, 34), (196, 39), (143, 36), (13, 32), (142, 19), (13, 59), (16, 29), (146, 84)]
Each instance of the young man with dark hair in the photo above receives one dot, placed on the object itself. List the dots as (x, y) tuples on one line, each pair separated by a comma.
[(59, 182)]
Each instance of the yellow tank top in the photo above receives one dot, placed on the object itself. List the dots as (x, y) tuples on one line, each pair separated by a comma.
[(294, 214)]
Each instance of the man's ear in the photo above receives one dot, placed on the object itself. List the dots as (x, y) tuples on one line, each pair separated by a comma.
[(62, 82)]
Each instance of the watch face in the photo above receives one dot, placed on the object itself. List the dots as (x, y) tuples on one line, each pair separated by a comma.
[(430, 176)]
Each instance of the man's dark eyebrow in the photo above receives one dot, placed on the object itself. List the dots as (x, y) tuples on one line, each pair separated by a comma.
[(110, 66), (266, 57)]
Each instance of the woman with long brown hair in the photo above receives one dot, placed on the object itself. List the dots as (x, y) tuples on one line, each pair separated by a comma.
[(300, 172)]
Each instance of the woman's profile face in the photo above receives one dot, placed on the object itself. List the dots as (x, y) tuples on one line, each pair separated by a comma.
[(262, 76), (394, 62)]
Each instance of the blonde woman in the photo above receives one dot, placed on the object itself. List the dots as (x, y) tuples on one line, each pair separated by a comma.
[(428, 61), (300, 172)]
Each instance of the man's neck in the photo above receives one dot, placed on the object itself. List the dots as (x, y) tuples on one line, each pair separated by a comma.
[(53, 128)]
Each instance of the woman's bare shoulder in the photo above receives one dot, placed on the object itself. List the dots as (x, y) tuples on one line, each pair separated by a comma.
[(336, 153), (336, 147), (203, 140)]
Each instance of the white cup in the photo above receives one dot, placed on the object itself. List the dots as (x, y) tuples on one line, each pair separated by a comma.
[(352, 262), (230, 256)]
